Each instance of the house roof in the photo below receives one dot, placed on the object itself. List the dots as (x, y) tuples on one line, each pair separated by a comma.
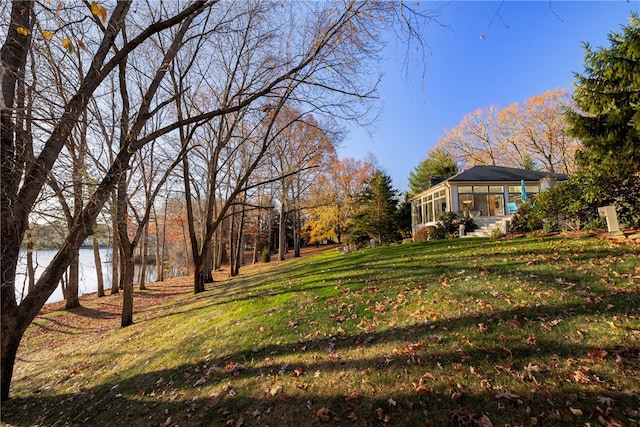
[(500, 173)]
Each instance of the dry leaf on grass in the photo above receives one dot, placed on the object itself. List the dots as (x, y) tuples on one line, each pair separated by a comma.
[(324, 414), (503, 393), (484, 421), (581, 376)]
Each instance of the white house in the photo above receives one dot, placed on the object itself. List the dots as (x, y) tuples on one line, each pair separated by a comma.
[(486, 193)]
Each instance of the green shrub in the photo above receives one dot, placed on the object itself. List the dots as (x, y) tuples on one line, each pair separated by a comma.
[(265, 255), (496, 233), (525, 220), (447, 227)]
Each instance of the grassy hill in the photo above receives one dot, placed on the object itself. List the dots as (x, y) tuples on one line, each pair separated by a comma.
[(531, 331)]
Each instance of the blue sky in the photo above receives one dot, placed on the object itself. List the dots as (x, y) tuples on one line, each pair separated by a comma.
[(484, 53)]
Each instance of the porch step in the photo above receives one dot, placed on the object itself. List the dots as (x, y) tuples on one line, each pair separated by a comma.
[(486, 227)]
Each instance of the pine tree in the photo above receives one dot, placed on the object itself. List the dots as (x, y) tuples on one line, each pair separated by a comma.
[(606, 119), (438, 164), (377, 216), (607, 97)]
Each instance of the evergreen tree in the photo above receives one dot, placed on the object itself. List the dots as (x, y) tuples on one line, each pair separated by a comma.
[(377, 216), (606, 119), (403, 217), (438, 164)]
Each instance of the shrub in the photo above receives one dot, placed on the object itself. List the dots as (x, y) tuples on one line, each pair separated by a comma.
[(425, 233), (265, 255), (496, 233), (524, 220), (446, 227)]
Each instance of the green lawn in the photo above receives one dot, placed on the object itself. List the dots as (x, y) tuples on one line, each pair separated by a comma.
[(531, 331)]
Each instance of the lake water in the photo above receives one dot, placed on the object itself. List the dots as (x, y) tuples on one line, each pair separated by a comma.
[(88, 276)]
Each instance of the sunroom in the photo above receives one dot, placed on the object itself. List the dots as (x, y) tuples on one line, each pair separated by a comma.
[(483, 192)]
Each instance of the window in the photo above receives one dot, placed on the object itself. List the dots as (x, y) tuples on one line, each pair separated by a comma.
[(429, 208), (487, 199)]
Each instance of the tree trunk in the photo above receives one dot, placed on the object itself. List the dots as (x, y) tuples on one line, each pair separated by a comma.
[(160, 246), (31, 271), (219, 249), (126, 253), (296, 233), (198, 275), (255, 250), (144, 249), (13, 327), (282, 233), (127, 286), (115, 255), (232, 254), (98, 263), (239, 246), (71, 290), (208, 263)]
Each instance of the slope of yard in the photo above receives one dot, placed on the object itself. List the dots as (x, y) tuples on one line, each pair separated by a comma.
[(531, 331)]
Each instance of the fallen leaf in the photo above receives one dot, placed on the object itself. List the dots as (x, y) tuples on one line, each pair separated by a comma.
[(613, 325), (506, 394), (604, 400), (215, 399), (422, 389), (576, 412), (324, 414), (275, 390), (356, 395), (581, 376), (382, 416), (597, 353), (484, 421), (532, 368)]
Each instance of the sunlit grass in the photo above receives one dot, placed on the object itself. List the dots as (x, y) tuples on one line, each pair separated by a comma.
[(536, 331)]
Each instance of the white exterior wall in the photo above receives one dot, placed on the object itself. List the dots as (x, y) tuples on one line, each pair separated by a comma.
[(453, 198)]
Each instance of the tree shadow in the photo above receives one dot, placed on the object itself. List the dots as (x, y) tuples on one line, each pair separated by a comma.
[(227, 396)]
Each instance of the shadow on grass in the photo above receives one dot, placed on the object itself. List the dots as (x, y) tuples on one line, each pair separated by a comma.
[(550, 395), (178, 396)]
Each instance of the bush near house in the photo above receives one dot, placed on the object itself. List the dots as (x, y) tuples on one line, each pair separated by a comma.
[(447, 227), (573, 205)]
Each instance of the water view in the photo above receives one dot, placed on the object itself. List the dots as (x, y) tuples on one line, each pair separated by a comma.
[(88, 275)]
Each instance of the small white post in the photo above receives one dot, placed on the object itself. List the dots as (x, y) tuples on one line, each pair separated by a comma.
[(611, 216)]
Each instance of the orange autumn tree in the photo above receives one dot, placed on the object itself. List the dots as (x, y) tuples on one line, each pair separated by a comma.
[(531, 135), (335, 198)]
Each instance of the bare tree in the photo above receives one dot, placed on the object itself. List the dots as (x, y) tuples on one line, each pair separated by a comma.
[(328, 43), (24, 179), (528, 134)]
